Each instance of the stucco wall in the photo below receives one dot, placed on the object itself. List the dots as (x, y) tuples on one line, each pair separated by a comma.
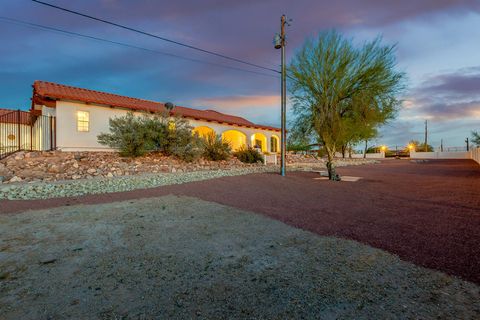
[(69, 139)]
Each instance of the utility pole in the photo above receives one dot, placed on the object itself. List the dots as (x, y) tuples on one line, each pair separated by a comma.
[(426, 141), (280, 42), (468, 146), (441, 145)]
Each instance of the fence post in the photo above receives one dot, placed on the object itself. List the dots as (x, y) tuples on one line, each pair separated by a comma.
[(31, 130), (18, 129), (54, 133), (51, 132)]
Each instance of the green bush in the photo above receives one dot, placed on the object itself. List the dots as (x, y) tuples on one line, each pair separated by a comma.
[(248, 155), (176, 138), (127, 134), (133, 136), (215, 148), (298, 147)]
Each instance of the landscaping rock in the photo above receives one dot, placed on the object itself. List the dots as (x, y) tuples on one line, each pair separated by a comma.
[(52, 166), (15, 179), (57, 165)]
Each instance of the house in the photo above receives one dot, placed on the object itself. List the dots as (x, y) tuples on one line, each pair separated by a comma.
[(82, 114)]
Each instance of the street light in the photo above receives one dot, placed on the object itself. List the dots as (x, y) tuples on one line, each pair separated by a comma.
[(279, 43)]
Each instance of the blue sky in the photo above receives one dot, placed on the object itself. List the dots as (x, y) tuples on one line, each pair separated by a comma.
[(437, 40)]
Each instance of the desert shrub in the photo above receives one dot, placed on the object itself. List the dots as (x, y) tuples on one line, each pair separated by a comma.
[(214, 147), (127, 134), (134, 136), (248, 155), (173, 137), (298, 147), (373, 149)]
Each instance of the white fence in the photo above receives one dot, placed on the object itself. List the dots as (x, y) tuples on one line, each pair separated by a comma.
[(440, 155), (472, 154), (476, 155), (270, 159)]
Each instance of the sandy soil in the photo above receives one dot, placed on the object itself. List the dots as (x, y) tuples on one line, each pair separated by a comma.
[(179, 257), (427, 213)]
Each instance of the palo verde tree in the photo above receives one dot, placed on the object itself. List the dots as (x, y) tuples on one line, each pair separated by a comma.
[(364, 118), (333, 81)]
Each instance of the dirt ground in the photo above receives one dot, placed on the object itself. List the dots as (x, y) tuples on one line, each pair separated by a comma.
[(180, 257), (425, 212)]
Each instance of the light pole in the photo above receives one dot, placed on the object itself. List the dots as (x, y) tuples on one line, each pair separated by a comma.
[(279, 42)]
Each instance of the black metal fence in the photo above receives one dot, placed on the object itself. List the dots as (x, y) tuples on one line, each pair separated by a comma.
[(20, 130)]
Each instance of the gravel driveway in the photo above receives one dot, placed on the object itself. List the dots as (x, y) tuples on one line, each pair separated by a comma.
[(180, 257)]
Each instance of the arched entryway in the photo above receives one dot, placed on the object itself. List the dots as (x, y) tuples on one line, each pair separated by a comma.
[(274, 144), (259, 140), (203, 131), (237, 139)]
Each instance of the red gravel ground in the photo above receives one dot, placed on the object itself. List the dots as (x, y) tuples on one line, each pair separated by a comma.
[(427, 213)]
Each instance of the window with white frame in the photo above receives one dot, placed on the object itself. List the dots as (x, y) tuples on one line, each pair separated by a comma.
[(83, 121)]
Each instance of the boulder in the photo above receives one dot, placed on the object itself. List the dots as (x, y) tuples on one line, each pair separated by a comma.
[(15, 179), (54, 169)]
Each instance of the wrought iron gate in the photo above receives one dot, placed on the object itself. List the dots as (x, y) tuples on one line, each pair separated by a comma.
[(21, 130)]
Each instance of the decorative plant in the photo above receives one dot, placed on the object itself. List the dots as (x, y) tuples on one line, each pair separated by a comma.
[(134, 135), (248, 155), (214, 147)]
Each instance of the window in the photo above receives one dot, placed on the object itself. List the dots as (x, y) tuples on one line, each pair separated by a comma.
[(83, 121)]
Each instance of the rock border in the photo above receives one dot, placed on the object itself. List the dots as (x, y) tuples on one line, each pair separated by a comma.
[(72, 188), (81, 187)]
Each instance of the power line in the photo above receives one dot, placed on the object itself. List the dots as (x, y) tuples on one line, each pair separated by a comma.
[(71, 33), (155, 36)]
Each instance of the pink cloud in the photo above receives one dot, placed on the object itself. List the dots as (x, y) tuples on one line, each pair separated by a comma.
[(239, 102)]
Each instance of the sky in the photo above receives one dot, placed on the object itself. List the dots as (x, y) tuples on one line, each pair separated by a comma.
[(437, 43)]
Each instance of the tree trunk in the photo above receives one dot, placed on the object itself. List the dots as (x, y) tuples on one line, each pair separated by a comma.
[(332, 174), (350, 152), (365, 151), (344, 148)]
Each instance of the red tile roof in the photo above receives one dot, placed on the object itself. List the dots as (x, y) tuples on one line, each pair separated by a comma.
[(53, 91)]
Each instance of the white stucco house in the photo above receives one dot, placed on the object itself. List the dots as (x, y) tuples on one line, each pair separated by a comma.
[(82, 114)]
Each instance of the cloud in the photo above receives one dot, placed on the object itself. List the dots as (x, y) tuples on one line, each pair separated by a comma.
[(242, 102), (459, 83), (260, 109), (446, 96)]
